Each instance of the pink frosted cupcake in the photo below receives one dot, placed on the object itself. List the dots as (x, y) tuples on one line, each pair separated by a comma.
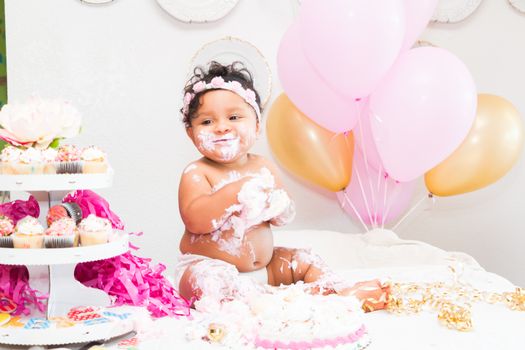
[(6, 231), (94, 230), (94, 160), (62, 233), (29, 233), (68, 160)]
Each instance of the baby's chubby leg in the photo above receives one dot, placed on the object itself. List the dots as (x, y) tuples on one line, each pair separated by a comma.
[(208, 280), (292, 265)]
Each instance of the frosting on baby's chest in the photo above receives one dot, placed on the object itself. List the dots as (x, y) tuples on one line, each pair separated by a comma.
[(258, 201)]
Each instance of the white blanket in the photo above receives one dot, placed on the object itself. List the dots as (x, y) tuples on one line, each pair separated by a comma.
[(381, 254)]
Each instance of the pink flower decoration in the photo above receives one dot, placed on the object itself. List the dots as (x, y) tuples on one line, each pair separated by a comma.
[(250, 96), (187, 97), (133, 280), (237, 88), (217, 82), (198, 87), (19, 209), (91, 203)]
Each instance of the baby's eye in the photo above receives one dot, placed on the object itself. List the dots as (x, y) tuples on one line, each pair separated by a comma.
[(206, 122), (234, 117)]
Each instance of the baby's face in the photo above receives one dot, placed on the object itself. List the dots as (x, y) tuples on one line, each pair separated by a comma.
[(225, 127)]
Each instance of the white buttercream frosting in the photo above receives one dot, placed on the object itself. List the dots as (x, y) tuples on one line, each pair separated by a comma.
[(10, 154), (95, 224), (93, 153), (29, 226), (259, 201), (49, 155), (31, 156)]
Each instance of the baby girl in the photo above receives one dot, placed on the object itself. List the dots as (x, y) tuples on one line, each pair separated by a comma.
[(229, 198)]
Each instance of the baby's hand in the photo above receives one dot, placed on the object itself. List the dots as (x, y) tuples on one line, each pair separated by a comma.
[(278, 201), (281, 208)]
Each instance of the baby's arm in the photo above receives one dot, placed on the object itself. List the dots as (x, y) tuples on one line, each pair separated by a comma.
[(287, 214), (202, 210)]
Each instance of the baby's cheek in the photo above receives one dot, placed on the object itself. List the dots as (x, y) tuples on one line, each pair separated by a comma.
[(205, 141), (248, 135)]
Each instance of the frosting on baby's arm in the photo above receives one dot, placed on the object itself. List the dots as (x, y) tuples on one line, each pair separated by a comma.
[(202, 209), (281, 208)]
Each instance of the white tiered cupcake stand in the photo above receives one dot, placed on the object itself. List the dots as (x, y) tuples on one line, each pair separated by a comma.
[(65, 292)]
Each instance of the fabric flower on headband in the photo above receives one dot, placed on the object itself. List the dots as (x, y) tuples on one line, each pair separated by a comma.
[(218, 83)]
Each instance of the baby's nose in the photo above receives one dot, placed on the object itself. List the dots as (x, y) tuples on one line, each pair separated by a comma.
[(222, 127)]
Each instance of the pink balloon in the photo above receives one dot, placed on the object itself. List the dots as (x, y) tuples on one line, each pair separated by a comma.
[(386, 199), (364, 139), (308, 91), (352, 43), (422, 111), (418, 13)]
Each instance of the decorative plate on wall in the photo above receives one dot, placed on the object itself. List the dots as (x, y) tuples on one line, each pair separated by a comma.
[(518, 5), (453, 11), (230, 49), (200, 11), (96, 1)]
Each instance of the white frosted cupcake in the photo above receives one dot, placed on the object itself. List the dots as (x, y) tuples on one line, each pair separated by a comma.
[(62, 233), (94, 230), (29, 233), (9, 157), (31, 162), (94, 160), (6, 232), (49, 156)]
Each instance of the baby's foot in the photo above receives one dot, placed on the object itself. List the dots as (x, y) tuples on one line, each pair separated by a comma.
[(373, 294)]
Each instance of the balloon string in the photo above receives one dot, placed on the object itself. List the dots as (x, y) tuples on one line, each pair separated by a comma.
[(392, 197), (379, 173), (384, 201), (364, 195), (374, 208), (355, 210), (429, 195)]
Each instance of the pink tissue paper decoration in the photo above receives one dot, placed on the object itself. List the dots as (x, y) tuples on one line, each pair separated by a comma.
[(14, 284), (19, 209), (133, 280), (91, 203)]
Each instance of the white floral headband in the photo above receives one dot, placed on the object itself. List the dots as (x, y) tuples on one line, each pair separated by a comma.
[(218, 83)]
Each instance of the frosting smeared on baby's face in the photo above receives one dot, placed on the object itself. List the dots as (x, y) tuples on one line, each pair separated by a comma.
[(225, 126)]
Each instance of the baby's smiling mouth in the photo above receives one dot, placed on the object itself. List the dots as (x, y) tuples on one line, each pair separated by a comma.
[(224, 140)]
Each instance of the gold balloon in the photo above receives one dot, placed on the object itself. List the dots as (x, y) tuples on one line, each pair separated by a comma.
[(308, 150), (491, 148)]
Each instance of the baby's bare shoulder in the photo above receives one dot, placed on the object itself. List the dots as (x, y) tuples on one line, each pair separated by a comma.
[(198, 166)]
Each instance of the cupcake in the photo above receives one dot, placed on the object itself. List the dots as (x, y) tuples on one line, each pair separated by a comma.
[(62, 233), (6, 230), (49, 157), (68, 160), (30, 162), (94, 160), (9, 157), (94, 230), (28, 233)]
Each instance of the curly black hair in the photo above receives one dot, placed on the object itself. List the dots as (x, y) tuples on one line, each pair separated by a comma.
[(235, 71)]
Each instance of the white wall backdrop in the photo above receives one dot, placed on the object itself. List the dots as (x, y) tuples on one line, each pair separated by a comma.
[(124, 65)]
